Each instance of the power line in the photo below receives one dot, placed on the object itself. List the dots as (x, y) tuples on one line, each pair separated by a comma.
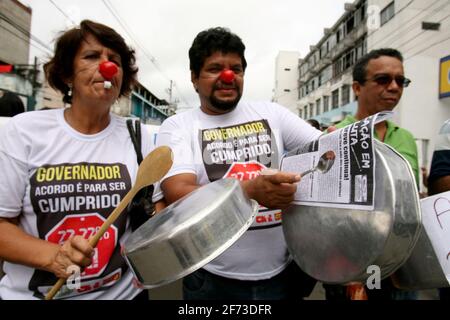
[(125, 27), (24, 31), (150, 57), (23, 39), (62, 12)]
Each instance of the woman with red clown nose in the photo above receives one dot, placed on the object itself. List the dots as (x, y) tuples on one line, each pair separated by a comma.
[(65, 170)]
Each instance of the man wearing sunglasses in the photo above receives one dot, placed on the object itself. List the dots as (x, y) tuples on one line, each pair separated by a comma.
[(378, 83)]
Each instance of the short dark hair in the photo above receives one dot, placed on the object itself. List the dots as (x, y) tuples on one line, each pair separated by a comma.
[(360, 68), (60, 67), (214, 40), (314, 123), (11, 105)]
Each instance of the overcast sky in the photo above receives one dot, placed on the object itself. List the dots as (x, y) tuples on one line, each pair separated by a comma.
[(166, 29)]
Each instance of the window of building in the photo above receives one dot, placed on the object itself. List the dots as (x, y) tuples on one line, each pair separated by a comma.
[(332, 41), (300, 113), (350, 24), (337, 67), (363, 10), (345, 94), (358, 17), (325, 75), (287, 90), (311, 110), (348, 60), (287, 69), (305, 112), (326, 103), (360, 49), (387, 13), (303, 69), (317, 107), (335, 99), (434, 26)]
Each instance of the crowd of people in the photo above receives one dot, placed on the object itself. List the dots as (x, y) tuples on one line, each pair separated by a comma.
[(50, 181)]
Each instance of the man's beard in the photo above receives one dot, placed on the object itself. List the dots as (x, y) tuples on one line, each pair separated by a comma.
[(225, 105)]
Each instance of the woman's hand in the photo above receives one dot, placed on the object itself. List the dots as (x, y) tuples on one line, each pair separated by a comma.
[(75, 251)]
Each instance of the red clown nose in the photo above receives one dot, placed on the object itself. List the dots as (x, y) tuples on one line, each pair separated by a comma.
[(108, 70), (227, 76)]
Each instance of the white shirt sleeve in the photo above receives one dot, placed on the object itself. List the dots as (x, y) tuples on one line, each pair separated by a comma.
[(173, 135), (179, 141), (295, 131), (13, 171)]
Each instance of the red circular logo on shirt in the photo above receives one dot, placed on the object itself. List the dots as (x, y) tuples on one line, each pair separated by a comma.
[(244, 170)]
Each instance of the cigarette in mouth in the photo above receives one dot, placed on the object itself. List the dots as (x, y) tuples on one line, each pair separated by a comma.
[(107, 85)]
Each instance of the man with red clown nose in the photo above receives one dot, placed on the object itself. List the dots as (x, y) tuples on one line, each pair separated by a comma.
[(228, 138)]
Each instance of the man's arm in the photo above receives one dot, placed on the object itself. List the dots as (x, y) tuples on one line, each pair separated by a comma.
[(178, 186), (440, 185), (275, 190), (439, 178)]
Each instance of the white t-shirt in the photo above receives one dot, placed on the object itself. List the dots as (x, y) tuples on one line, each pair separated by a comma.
[(239, 144), (60, 182)]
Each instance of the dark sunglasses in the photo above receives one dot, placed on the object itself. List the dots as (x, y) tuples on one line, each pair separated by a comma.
[(385, 80)]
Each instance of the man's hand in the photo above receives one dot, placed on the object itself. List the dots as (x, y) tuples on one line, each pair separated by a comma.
[(272, 189)]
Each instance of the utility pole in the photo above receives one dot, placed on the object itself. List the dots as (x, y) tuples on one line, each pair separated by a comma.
[(31, 103), (35, 84), (170, 91)]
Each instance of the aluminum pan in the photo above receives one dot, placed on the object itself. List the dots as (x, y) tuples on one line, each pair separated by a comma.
[(422, 270), (188, 234), (336, 245)]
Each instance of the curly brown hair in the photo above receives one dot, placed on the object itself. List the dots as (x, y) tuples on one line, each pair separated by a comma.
[(60, 67)]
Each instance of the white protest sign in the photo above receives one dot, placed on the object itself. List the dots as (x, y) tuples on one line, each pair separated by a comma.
[(436, 221)]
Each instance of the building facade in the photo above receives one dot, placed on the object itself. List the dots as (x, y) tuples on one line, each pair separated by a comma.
[(143, 104), (15, 33), (420, 29), (325, 79), (15, 27), (286, 75)]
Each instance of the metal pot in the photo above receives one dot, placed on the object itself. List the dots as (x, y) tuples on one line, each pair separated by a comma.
[(188, 234), (336, 245), (422, 270)]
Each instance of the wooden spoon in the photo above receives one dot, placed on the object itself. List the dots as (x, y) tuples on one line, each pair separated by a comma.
[(154, 166)]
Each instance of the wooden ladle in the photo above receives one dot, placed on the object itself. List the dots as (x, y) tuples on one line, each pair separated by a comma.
[(154, 166)]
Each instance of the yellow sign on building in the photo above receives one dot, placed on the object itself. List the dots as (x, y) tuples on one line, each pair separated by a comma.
[(444, 78)]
